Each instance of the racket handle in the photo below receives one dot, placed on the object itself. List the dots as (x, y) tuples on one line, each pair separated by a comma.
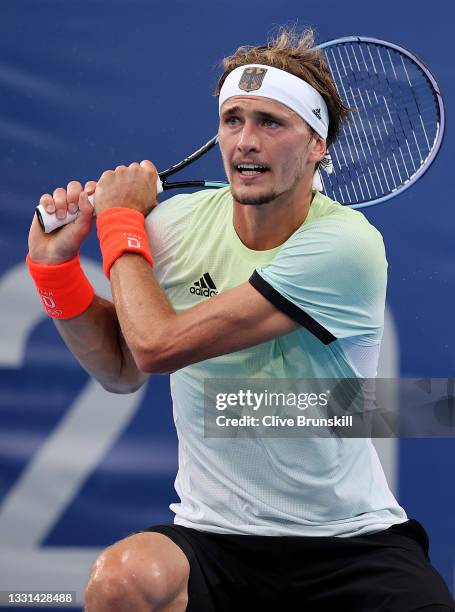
[(49, 221)]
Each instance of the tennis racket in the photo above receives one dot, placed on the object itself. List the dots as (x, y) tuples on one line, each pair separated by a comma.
[(391, 139)]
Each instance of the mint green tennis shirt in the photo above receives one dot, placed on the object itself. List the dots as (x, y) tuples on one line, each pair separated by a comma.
[(330, 277)]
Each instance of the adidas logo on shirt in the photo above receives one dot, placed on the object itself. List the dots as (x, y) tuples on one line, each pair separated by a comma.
[(204, 286)]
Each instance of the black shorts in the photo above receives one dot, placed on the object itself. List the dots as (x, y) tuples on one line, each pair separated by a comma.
[(388, 571)]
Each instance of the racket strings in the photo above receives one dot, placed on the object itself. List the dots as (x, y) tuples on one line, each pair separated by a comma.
[(393, 130), (353, 138)]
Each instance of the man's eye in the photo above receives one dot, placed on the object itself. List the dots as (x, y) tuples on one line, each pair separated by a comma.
[(232, 120), (270, 123)]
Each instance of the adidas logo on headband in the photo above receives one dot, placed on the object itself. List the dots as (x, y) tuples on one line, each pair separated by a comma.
[(251, 79), (317, 112)]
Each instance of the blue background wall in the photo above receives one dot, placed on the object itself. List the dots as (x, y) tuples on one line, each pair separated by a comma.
[(86, 86)]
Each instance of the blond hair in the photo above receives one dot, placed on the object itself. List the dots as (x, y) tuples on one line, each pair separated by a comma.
[(295, 53)]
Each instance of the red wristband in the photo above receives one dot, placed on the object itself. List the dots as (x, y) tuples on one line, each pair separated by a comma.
[(122, 230), (64, 289)]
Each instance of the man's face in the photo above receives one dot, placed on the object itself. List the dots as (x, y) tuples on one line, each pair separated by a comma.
[(268, 150)]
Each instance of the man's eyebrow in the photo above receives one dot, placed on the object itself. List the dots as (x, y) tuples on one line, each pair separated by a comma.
[(233, 110), (268, 115)]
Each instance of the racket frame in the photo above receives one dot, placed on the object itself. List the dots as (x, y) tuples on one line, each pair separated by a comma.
[(439, 105)]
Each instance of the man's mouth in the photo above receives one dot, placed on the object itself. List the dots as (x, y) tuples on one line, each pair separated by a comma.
[(251, 169)]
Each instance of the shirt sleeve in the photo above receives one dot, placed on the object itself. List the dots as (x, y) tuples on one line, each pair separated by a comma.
[(330, 277)]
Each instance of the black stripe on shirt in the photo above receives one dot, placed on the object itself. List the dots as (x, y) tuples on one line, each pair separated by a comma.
[(290, 309)]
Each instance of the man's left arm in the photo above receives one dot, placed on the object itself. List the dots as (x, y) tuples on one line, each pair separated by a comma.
[(163, 341), (159, 339), (332, 283)]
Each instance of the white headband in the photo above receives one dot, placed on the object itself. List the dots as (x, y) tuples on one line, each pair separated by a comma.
[(268, 82)]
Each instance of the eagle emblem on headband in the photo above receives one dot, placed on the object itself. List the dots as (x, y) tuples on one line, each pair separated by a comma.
[(252, 78)]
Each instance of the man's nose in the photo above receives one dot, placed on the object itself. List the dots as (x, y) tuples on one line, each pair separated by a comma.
[(248, 138)]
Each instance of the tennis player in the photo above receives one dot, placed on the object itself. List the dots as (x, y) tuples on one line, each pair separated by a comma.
[(265, 279)]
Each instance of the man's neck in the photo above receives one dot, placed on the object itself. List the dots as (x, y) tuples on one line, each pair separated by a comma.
[(266, 226)]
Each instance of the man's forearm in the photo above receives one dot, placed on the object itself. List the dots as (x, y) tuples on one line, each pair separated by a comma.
[(95, 339), (163, 341)]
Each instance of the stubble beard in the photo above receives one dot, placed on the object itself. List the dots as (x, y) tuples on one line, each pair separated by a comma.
[(256, 200), (264, 198), (267, 197)]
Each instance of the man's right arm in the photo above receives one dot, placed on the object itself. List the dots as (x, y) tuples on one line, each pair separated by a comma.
[(94, 336), (97, 342)]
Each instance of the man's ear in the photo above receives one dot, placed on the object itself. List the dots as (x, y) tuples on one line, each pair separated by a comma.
[(318, 148)]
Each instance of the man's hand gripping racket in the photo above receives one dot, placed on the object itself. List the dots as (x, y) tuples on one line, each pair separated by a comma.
[(49, 220)]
